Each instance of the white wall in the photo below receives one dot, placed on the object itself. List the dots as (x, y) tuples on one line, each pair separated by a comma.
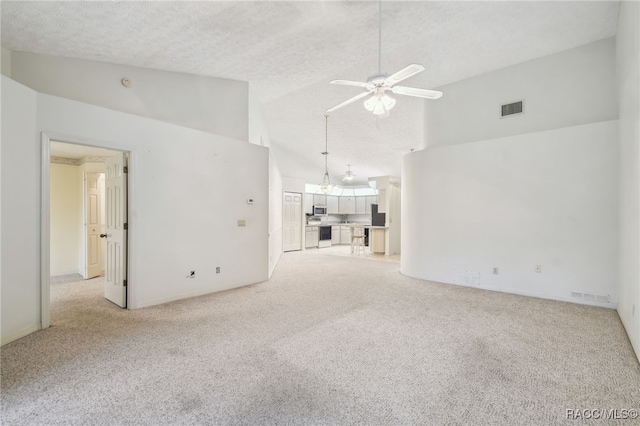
[(569, 88), (188, 189), (66, 219), (291, 166), (20, 193), (258, 130), (546, 198), (5, 62), (213, 105), (275, 214), (628, 74)]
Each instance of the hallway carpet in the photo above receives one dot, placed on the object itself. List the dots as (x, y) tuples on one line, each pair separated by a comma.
[(328, 340)]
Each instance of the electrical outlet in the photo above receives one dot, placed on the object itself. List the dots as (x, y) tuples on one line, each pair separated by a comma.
[(495, 271), (538, 268), (217, 269)]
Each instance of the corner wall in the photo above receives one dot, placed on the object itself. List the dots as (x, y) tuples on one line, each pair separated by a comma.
[(628, 76), (545, 198), (20, 198), (275, 214)]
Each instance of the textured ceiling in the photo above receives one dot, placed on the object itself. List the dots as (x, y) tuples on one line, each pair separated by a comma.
[(289, 51)]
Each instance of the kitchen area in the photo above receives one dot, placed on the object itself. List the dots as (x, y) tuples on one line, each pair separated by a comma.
[(330, 218)]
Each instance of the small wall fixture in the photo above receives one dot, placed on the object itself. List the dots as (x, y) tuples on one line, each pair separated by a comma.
[(126, 82)]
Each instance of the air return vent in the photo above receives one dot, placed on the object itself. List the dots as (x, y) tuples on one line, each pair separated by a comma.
[(591, 297), (511, 109)]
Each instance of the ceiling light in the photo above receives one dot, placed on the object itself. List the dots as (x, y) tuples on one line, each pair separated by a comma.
[(379, 103)]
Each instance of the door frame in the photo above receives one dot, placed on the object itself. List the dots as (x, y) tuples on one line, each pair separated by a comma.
[(45, 212)]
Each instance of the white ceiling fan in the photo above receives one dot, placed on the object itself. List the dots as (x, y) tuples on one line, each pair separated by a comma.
[(349, 175), (376, 85)]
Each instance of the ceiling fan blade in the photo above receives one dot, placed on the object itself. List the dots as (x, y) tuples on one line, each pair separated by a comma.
[(348, 101), (403, 74), (420, 93), (349, 83)]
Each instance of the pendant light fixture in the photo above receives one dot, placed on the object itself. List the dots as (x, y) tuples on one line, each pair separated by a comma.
[(326, 186)]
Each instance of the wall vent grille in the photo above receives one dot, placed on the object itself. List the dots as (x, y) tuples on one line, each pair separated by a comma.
[(513, 108), (591, 297)]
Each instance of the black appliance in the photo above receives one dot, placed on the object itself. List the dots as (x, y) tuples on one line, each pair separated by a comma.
[(324, 236), (325, 232), (377, 219), (319, 210)]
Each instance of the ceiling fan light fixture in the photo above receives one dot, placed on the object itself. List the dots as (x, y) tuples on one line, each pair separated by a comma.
[(378, 109), (388, 102), (370, 103), (379, 103)]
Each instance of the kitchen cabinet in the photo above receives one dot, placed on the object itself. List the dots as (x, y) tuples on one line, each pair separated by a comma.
[(371, 199), (361, 205), (347, 205), (377, 240), (319, 200), (333, 204), (345, 235), (311, 237), (308, 203), (335, 235)]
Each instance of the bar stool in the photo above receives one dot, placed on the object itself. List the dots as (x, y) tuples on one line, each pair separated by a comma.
[(357, 239)]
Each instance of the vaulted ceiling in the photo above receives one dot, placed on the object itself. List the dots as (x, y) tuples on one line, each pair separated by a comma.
[(288, 51)]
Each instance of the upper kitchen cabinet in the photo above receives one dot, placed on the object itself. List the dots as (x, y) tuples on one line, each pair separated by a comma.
[(333, 204), (319, 200), (308, 203), (361, 205), (347, 205), (372, 199)]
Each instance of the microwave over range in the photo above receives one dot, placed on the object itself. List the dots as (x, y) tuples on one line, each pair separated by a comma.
[(319, 210)]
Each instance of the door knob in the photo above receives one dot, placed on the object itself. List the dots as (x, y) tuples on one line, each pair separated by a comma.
[(103, 235)]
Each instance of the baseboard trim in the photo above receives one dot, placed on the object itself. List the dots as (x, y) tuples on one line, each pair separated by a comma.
[(164, 300), (20, 334)]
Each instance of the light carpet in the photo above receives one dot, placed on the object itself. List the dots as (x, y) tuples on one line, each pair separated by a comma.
[(328, 340)]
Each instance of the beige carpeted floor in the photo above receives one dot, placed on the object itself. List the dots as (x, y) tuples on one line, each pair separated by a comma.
[(330, 340)]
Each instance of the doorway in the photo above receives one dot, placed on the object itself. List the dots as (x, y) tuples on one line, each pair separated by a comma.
[(75, 231)]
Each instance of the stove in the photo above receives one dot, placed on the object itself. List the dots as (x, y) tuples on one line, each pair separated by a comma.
[(324, 237)]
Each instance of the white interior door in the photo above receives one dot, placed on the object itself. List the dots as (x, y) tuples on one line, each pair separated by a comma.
[(93, 224), (115, 284), (292, 222)]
